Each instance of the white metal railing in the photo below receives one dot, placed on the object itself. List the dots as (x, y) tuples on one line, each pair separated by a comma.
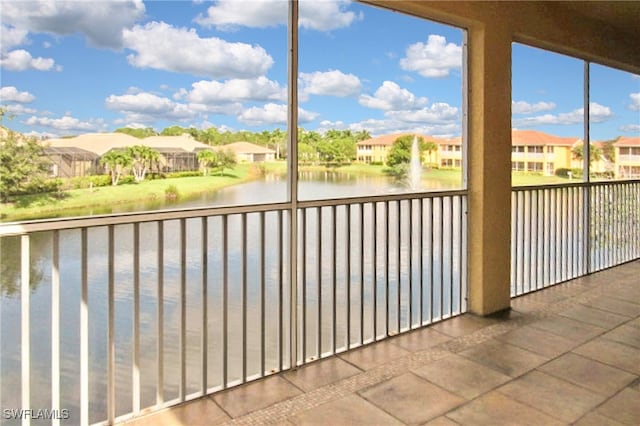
[(151, 309), (560, 232)]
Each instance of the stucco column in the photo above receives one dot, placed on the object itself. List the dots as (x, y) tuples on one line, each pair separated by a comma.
[(489, 161)]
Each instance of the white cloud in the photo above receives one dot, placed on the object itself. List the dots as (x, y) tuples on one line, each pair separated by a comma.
[(66, 123), (12, 37), (597, 114), (324, 15), (11, 94), (234, 90), (437, 113), (390, 96), (635, 101), (182, 50), (329, 83), (631, 128), (385, 126), (272, 114), (101, 22), (19, 109), (436, 58), (147, 107), (21, 60), (522, 107)]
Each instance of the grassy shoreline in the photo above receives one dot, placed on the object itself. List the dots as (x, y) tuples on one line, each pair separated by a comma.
[(106, 199)]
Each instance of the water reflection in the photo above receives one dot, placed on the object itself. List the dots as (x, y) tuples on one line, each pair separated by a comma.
[(354, 264)]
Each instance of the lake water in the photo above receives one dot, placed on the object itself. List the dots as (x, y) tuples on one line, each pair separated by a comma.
[(356, 265)]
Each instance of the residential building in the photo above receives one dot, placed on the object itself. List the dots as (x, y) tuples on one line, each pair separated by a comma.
[(627, 153), (247, 152), (449, 153), (539, 152), (80, 155), (376, 149)]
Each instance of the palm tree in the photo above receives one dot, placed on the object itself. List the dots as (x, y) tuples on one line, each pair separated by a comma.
[(207, 159), (116, 163), (142, 158), (430, 147)]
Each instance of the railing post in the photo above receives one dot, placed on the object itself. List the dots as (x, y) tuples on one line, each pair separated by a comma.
[(292, 176), (25, 308)]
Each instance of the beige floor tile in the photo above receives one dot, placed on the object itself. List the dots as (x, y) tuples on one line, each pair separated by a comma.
[(525, 304), (494, 409), (254, 396), (462, 376), (594, 316), (441, 421), (374, 354), (635, 323), (624, 407), (202, 411), (411, 399), (627, 293), (629, 307), (625, 334), (595, 419), (504, 358), (352, 410), (568, 328), (593, 375), (612, 353), (321, 373), (462, 325), (420, 340), (538, 341), (555, 397)]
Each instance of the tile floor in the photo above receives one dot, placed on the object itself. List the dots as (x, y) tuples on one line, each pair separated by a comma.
[(569, 354)]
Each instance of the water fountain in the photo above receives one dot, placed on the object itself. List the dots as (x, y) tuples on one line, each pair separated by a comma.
[(415, 168)]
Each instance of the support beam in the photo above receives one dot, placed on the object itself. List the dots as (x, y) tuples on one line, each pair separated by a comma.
[(489, 159)]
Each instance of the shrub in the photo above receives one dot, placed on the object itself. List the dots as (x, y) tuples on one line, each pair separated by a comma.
[(187, 173), (171, 193), (562, 172)]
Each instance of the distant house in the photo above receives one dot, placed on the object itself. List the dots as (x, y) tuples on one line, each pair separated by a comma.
[(375, 150), (80, 155), (539, 152), (627, 152), (449, 152), (71, 161), (247, 152)]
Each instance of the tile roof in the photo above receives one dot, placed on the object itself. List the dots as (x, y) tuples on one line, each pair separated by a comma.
[(101, 143), (535, 137), (627, 141), (391, 138)]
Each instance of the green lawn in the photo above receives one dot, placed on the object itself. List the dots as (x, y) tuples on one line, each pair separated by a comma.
[(100, 200)]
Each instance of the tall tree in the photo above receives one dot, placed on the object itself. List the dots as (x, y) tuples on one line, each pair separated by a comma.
[(207, 159), (430, 147), (143, 158), (595, 153), (218, 160), (23, 164), (400, 151), (139, 133), (116, 162)]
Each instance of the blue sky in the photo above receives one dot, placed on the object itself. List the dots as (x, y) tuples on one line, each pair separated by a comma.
[(86, 66)]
